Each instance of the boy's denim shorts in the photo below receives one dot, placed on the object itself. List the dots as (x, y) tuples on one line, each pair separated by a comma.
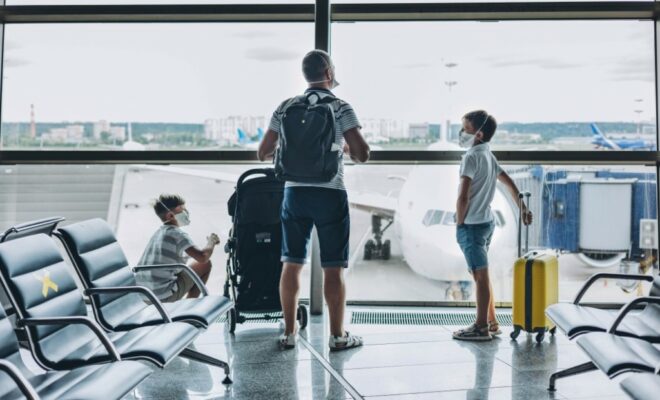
[(474, 240), (327, 209)]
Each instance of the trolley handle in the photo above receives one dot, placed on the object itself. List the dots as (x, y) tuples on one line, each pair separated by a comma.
[(522, 199), (256, 171)]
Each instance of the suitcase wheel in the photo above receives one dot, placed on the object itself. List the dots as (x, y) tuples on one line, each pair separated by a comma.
[(515, 333), (540, 335)]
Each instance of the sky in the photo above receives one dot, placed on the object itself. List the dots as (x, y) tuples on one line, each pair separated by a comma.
[(536, 71)]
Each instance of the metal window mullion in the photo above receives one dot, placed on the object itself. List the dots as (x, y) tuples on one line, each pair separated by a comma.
[(647, 158), (493, 11), (158, 13)]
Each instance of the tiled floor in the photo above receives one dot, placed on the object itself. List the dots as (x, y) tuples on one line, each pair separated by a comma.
[(397, 362)]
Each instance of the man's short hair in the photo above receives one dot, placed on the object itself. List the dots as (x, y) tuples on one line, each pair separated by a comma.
[(167, 203), (487, 122), (314, 65)]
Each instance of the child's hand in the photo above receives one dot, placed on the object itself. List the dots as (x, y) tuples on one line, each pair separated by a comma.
[(527, 217), (213, 240)]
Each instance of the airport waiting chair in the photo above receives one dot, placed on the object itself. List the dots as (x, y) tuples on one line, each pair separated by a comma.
[(575, 319), (102, 382), (100, 263), (615, 354), (645, 386), (52, 311), (104, 272)]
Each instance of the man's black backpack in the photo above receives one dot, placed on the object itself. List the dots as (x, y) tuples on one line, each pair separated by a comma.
[(306, 151)]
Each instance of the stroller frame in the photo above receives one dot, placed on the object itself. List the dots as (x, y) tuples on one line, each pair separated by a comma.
[(234, 316)]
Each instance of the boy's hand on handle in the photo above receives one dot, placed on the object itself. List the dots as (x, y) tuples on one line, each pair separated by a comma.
[(527, 216), (212, 240)]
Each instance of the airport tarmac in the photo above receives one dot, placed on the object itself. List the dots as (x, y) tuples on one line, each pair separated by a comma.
[(374, 280)]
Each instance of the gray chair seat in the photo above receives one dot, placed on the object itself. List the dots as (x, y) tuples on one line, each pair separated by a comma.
[(616, 354), (575, 319), (159, 344), (110, 381), (642, 386), (204, 310)]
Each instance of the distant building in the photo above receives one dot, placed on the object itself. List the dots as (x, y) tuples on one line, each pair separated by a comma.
[(118, 133), (419, 131), (382, 127), (71, 133), (100, 127), (225, 130)]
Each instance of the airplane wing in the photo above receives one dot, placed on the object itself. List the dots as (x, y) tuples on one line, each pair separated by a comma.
[(377, 204), (199, 173)]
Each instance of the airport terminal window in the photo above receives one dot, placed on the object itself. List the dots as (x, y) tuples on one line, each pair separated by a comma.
[(147, 86), (552, 85), (425, 263)]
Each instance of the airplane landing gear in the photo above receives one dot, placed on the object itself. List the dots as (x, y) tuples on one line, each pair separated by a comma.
[(376, 248)]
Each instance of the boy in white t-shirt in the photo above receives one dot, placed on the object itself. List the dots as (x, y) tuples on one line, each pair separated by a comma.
[(474, 218)]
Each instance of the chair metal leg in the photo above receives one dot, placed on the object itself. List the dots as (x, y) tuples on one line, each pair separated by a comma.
[(203, 358), (578, 369)]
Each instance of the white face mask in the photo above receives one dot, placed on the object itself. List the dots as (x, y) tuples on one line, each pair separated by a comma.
[(465, 140), (182, 218), (333, 81)]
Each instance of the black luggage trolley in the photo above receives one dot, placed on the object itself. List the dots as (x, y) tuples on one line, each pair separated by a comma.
[(254, 248)]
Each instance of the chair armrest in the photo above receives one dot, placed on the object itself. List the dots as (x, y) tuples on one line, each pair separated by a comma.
[(629, 307), (112, 351), (196, 279), (146, 292), (22, 383), (605, 275)]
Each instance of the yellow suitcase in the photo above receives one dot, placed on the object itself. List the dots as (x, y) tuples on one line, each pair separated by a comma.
[(535, 287)]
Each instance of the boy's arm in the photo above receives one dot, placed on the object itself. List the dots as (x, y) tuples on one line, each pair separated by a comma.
[(515, 193), (203, 255), (463, 200)]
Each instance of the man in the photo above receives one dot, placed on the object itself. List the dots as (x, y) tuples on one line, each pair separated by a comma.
[(172, 245), (323, 205)]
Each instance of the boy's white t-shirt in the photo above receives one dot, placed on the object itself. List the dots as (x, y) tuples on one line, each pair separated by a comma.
[(481, 166)]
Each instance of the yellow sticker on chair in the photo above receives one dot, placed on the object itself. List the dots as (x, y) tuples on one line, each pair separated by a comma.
[(46, 283)]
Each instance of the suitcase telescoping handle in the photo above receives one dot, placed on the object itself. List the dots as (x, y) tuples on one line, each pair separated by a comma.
[(523, 199)]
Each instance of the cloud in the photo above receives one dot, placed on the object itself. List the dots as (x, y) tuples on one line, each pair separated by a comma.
[(268, 54), (633, 70), (15, 62), (252, 34), (543, 63), (420, 65)]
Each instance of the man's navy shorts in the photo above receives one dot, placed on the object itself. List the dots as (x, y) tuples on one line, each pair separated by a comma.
[(327, 209)]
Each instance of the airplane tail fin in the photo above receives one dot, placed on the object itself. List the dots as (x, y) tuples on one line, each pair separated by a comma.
[(242, 137), (595, 131)]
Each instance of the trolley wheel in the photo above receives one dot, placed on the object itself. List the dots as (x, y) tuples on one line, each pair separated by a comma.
[(232, 318), (516, 332), (540, 335), (553, 331), (387, 247), (302, 316)]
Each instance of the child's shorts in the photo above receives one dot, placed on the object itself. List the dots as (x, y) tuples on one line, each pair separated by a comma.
[(474, 240)]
